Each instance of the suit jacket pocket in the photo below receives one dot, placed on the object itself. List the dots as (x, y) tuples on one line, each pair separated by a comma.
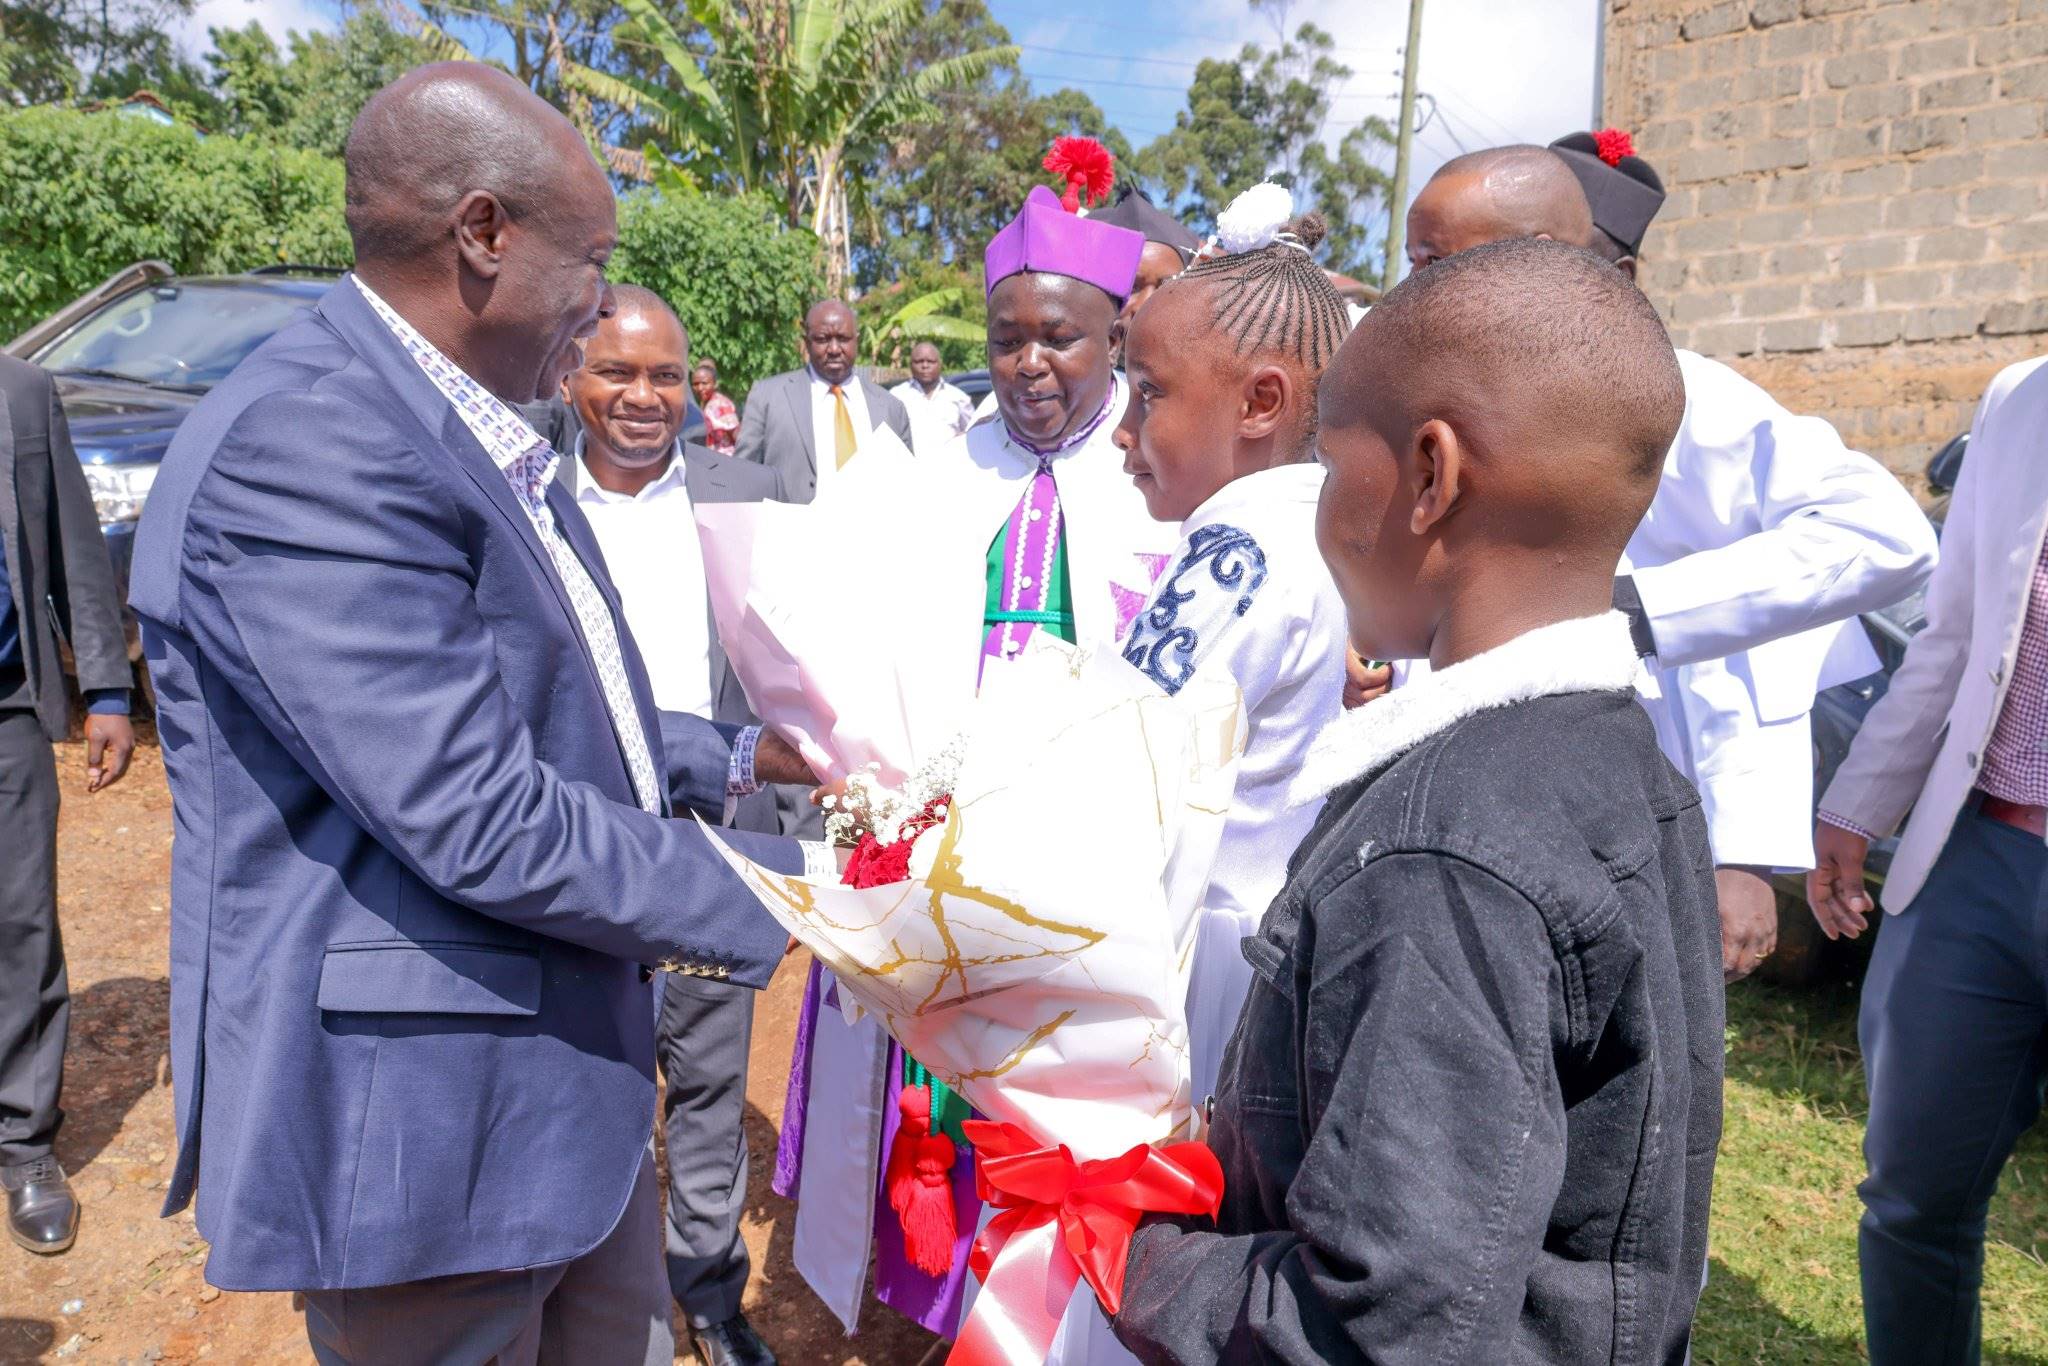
[(393, 977)]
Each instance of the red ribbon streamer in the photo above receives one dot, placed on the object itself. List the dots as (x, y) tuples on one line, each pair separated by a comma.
[(1061, 1221)]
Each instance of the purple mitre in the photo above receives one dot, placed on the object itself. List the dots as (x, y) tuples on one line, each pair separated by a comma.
[(1044, 237)]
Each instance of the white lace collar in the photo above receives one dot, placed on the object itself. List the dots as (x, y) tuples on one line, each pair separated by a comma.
[(1588, 654)]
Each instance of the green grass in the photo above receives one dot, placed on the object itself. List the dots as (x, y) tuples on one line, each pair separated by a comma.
[(1783, 1286)]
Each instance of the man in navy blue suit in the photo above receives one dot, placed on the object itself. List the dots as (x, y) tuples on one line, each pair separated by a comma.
[(428, 826)]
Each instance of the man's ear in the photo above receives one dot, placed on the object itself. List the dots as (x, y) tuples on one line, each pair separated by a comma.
[(1439, 461), (1627, 266), (1268, 391), (481, 229)]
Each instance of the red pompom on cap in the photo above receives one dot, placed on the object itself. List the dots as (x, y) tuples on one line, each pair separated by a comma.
[(1613, 144), (1087, 167)]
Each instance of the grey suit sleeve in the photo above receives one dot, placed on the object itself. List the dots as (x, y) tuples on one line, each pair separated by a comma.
[(82, 578), (898, 417), (392, 699), (752, 442)]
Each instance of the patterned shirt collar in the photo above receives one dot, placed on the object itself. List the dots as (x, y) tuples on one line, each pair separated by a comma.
[(512, 444)]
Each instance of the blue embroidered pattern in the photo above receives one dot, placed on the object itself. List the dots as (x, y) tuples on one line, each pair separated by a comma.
[(1165, 646)]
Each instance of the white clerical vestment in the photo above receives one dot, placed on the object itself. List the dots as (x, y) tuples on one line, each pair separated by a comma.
[(1766, 539)]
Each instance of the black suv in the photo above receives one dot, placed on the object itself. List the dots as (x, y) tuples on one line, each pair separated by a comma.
[(133, 356)]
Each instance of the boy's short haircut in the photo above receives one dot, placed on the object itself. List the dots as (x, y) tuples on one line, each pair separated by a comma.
[(1573, 332)]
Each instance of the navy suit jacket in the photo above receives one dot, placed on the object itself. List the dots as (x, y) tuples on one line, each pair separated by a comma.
[(410, 888)]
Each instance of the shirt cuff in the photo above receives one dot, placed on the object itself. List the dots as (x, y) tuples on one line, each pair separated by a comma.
[(739, 775), (1830, 818), (821, 861), (107, 701)]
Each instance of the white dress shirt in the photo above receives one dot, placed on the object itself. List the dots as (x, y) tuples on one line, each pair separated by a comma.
[(936, 419), (650, 545), (822, 421)]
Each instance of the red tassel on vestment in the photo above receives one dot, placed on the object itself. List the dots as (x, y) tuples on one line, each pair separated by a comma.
[(920, 1185)]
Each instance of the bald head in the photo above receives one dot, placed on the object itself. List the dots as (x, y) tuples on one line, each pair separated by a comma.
[(832, 340), (440, 133), (639, 301), (1494, 195), (481, 217)]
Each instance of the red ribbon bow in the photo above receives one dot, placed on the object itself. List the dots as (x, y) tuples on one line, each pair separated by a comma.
[(1059, 1218)]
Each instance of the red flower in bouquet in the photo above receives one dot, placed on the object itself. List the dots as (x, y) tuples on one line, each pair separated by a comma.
[(875, 864)]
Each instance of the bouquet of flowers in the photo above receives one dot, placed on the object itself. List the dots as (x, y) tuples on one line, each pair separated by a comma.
[(1023, 928)]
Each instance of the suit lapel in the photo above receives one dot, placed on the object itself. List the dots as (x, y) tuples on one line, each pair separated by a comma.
[(346, 310), (10, 515), (799, 393)]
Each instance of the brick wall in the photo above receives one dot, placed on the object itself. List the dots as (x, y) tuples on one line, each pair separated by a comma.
[(1858, 212)]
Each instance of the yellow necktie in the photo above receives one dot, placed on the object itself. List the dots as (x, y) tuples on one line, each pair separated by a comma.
[(843, 439)]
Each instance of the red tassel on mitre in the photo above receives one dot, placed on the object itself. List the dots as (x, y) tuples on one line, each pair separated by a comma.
[(1613, 144), (919, 1183), (1088, 167)]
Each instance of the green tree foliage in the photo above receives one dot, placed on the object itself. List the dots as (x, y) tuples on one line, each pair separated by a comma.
[(787, 96), (941, 187), (310, 98), (1262, 115), (738, 276), (83, 195), (72, 49)]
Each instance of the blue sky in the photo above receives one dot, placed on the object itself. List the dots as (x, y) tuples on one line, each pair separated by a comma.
[(1497, 70)]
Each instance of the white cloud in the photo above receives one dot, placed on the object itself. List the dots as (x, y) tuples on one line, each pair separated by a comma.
[(278, 17)]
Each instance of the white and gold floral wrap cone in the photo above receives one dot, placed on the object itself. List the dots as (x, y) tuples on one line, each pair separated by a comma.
[(1037, 959)]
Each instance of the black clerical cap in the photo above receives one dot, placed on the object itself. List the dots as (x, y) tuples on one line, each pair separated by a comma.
[(1133, 210), (1622, 188)]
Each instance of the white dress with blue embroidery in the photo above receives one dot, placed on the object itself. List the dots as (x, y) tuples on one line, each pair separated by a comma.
[(1247, 592)]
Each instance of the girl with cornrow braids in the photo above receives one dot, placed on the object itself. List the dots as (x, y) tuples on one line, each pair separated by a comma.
[(1223, 363)]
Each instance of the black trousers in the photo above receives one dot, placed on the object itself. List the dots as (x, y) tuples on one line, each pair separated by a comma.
[(705, 1028), (35, 1000)]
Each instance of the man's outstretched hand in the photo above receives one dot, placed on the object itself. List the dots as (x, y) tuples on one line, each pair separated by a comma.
[(776, 761), (109, 744), (1835, 888)]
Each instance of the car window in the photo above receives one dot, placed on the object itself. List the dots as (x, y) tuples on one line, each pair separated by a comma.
[(182, 334)]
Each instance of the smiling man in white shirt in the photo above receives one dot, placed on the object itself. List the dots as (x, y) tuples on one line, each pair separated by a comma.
[(637, 484)]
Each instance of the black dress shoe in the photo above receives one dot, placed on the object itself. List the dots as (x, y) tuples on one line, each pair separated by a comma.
[(42, 1213), (732, 1343)]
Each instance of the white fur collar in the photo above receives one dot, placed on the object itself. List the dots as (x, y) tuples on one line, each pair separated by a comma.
[(1588, 654)]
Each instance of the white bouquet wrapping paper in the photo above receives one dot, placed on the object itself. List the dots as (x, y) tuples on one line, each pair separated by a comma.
[(1037, 958), (822, 609)]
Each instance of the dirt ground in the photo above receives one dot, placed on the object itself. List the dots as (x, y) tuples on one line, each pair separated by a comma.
[(133, 1289)]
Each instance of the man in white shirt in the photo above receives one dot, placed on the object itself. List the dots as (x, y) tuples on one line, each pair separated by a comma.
[(939, 412), (806, 424), (636, 484)]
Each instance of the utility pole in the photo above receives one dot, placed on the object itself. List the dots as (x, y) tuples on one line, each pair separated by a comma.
[(1404, 147)]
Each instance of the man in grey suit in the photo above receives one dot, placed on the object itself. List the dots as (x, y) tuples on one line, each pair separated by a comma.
[(806, 424), (54, 575), (638, 484)]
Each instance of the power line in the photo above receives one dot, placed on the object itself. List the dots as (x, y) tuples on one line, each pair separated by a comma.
[(1153, 33), (1149, 61)]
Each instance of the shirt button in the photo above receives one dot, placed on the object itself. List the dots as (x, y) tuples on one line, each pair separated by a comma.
[(1971, 758), (1011, 649), (1024, 582), (1997, 673), (1037, 515)]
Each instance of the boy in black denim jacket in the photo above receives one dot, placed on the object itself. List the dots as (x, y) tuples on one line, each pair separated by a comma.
[(1470, 1109)]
